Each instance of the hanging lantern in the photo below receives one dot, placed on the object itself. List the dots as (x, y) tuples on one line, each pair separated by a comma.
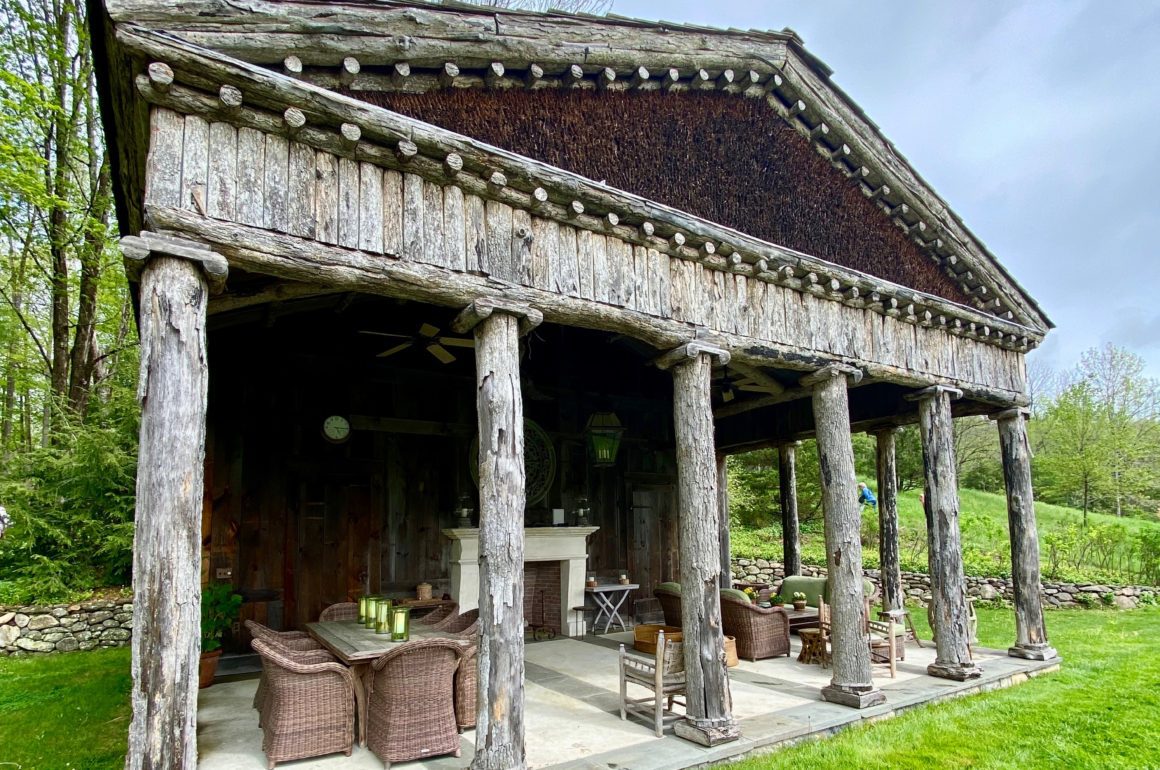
[(604, 431)]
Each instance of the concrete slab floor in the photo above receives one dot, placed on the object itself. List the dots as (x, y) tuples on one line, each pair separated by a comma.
[(572, 710)]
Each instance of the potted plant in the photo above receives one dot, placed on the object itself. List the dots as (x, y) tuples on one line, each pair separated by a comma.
[(219, 609), (777, 601), (799, 601)]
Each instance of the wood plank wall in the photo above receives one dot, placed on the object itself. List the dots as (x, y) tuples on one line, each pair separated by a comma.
[(266, 181)]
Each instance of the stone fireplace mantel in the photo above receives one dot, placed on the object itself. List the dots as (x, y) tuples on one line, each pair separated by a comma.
[(567, 545)]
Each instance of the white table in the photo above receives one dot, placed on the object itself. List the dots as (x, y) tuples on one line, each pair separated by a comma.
[(609, 597)]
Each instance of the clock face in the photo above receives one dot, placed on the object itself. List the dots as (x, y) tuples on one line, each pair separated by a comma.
[(336, 428)]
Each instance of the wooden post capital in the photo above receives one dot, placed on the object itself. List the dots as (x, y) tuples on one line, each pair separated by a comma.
[(1019, 412), (482, 308), (691, 350), (932, 391), (827, 373), (139, 249)]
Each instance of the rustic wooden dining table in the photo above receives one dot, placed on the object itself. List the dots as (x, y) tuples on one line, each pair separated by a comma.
[(358, 647)]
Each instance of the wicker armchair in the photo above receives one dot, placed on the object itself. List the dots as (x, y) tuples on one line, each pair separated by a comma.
[(411, 713), (465, 625), (438, 615), (669, 595), (309, 707), (466, 679), (294, 644), (761, 632), (340, 611)]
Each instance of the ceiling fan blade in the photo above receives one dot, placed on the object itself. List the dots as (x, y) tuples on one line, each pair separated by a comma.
[(427, 330), (385, 334), (394, 350), (456, 342), (440, 352)]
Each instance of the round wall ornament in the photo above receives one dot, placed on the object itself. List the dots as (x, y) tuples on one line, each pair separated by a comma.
[(539, 462)]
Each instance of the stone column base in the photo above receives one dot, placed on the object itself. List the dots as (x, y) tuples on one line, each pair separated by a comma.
[(1033, 652), (854, 696), (707, 733), (960, 672)]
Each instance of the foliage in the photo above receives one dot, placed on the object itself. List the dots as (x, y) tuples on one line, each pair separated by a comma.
[(219, 610), (1062, 720), (60, 711)]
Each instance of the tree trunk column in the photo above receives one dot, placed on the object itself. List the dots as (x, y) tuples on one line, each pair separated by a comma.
[(790, 530), (723, 521), (1030, 628), (949, 611), (499, 736), (851, 684), (888, 559), (174, 380), (709, 704)]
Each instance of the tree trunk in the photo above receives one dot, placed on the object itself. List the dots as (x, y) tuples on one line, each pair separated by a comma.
[(723, 521), (84, 348), (167, 544), (499, 734), (851, 684), (790, 530), (949, 613), (888, 558), (709, 704), (1030, 628)]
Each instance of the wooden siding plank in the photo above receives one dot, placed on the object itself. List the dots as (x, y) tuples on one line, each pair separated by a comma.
[(300, 207), (348, 207), (522, 247), (393, 213), (195, 164), (475, 234), (413, 216), (499, 241), (454, 228), (276, 183), (370, 208), (326, 196), (433, 252), (163, 164)]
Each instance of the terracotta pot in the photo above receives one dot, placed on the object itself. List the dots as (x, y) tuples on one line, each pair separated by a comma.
[(730, 651), (799, 606), (207, 668)]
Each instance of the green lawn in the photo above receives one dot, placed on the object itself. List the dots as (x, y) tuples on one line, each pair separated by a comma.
[(1100, 711), (64, 711)]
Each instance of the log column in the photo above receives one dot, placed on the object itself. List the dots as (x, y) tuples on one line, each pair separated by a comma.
[(949, 611), (888, 559), (709, 704), (1030, 629), (499, 736), (790, 531), (175, 279), (723, 521), (851, 684)]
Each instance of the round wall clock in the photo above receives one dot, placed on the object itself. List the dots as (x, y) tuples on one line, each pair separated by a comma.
[(336, 429)]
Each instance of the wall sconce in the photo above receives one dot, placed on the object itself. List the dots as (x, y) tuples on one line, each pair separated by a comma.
[(604, 431)]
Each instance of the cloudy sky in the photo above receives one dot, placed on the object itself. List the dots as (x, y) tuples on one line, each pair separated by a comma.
[(1038, 122)]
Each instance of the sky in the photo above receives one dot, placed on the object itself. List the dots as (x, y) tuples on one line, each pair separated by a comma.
[(1037, 122)]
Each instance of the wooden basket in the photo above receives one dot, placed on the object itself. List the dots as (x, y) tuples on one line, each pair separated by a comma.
[(645, 637)]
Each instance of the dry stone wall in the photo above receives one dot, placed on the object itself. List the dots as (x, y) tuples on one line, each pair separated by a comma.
[(65, 627), (916, 586)]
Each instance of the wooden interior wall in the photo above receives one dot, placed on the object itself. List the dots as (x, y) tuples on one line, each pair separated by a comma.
[(297, 523)]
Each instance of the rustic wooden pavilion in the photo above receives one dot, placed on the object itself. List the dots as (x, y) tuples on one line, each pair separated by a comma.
[(384, 251)]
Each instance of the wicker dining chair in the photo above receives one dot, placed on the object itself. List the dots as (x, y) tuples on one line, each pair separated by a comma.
[(465, 624), (309, 707), (411, 705), (438, 615), (295, 644), (664, 675), (340, 611), (466, 680)]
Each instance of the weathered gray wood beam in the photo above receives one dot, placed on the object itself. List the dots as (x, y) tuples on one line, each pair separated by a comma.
[(499, 732), (172, 391), (787, 492), (889, 562), (708, 702), (851, 684), (1030, 626), (948, 610)]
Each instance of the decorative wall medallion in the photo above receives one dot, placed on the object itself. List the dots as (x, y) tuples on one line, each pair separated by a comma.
[(539, 462)]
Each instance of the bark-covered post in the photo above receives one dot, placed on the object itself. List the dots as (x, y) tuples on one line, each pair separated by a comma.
[(949, 612), (790, 534), (174, 288), (1030, 628), (889, 562), (723, 521), (851, 684), (499, 732), (709, 704)]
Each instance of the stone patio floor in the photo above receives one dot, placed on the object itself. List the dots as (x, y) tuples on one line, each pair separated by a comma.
[(572, 710)]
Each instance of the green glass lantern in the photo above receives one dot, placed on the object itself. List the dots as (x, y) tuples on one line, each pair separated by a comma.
[(362, 609), (383, 617), (400, 624), (372, 612), (604, 432)]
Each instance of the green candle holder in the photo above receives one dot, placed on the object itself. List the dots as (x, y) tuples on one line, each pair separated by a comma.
[(383, 617), (362, 609), (400, 624), (372, 612)]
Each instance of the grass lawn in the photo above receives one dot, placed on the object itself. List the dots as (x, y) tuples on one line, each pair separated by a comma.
[(1101, 711), (64, 711)]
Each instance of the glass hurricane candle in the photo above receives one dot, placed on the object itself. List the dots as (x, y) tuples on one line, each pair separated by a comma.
[(383, 618), (400, 624)]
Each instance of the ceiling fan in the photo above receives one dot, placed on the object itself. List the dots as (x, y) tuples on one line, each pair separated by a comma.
[(427, 337)]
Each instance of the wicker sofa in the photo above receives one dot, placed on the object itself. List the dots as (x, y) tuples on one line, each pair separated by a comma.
[(761, 632)]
